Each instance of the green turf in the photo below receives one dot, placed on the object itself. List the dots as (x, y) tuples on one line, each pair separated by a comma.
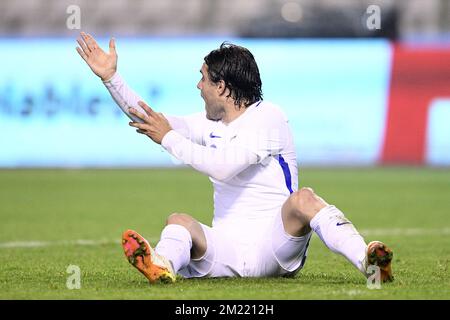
[(409, 208)]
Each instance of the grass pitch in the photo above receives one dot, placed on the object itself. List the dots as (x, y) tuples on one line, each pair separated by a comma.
[(50, 219)]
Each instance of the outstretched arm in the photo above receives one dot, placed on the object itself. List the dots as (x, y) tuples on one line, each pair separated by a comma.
[(104, 65), (220, 164)]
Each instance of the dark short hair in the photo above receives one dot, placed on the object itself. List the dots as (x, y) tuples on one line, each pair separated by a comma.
[(236, 66)]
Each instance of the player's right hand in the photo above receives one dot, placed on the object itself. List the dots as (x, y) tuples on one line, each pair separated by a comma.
[(101, 63)]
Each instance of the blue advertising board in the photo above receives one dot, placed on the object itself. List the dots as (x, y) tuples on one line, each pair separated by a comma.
[(54, 112)]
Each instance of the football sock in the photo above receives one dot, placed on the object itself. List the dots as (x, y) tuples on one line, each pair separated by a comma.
[(175, 245), (340, 236)]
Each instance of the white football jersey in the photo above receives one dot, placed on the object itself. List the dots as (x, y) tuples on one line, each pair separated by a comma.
[(261, 188)]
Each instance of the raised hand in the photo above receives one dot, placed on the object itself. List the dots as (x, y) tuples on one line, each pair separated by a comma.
[(101, 63)]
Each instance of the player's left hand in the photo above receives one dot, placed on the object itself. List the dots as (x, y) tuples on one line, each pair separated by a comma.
[(155, 125)]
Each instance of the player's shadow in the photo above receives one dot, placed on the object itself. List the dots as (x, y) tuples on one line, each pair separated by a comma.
[(311, 278)]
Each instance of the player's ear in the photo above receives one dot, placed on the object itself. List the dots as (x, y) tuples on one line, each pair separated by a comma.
[(221, 87)]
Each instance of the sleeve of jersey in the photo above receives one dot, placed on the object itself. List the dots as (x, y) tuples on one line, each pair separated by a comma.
[(190, 126), (123, 95), (220, 164)]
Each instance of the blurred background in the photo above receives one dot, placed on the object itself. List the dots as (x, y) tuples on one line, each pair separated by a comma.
[(363, 82)]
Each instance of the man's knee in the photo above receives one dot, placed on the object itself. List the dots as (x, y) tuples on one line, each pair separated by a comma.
[(193, 226), (182, 219), (307, 202), (185, 220)]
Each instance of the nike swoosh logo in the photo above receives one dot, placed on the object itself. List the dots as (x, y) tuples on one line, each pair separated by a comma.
[(211, 135), (342, 223)]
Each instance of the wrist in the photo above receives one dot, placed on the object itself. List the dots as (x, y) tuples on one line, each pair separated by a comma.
[(169, 139), (107, 77)]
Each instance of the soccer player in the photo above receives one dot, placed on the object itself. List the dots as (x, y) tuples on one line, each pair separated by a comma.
[(262, 223)]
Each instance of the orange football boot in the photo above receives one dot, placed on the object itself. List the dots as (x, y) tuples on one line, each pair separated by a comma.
[(380, 255), (142, 256)]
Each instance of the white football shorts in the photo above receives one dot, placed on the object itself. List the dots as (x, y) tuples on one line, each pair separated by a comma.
[(257, 248)]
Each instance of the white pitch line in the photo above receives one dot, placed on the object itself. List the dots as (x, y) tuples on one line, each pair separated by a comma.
[(39, 244), (407, 232), (78, 242)]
